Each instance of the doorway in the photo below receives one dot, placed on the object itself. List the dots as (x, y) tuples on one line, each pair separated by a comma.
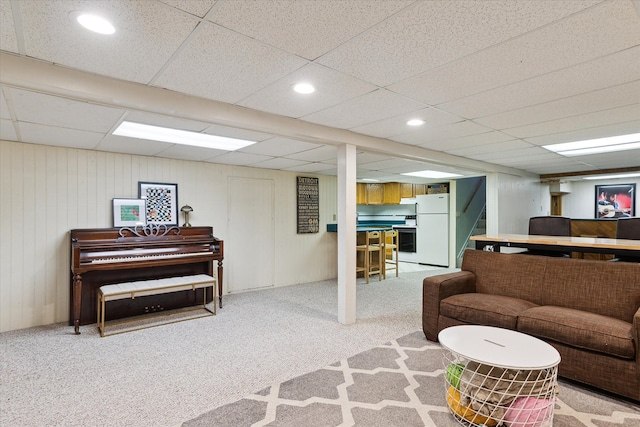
[(556, 204)]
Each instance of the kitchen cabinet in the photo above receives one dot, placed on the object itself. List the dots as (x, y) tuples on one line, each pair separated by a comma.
[(375, 194), (406, 190), (391, 194), (361, 193), (388, 193), (419, 189)]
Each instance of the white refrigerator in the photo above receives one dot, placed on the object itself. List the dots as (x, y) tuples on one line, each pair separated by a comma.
[(432, 231)]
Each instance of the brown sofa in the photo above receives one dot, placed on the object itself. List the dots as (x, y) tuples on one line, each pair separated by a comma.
[(588, 310)]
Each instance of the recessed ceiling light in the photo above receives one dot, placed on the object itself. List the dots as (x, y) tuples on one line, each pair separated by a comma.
[(415, 122), (596, 146), (304, 88), (93, 22), (370, 180), (432, 174), (175, 136)]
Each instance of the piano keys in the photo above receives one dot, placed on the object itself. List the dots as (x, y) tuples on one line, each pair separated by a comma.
[(116, 255)]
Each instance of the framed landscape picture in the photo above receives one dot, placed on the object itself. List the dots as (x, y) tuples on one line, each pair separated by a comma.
[(128, 212), (161, 202), (615, 201)]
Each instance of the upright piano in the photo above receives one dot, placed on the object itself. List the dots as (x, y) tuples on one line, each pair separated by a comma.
[(103, 256)]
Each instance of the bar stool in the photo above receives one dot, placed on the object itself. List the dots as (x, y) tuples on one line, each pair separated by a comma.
[(372, 244), (390, 244)]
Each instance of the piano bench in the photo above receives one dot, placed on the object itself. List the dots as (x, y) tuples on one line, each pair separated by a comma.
[(154, 287)]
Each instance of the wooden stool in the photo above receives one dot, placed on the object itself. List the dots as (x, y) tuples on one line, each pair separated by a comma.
[(372, 243), (390, 246)]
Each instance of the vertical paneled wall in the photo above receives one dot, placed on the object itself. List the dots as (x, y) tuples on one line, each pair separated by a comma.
[(47, 191)]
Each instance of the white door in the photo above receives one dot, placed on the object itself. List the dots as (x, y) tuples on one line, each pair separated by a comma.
[(249, 258)]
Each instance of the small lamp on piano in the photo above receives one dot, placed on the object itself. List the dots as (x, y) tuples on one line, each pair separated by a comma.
[(186, 209)]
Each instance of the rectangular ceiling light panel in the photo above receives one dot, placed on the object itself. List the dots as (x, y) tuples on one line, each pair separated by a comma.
[(175, 136)]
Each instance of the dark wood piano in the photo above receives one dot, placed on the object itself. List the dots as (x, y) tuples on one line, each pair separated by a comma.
[(102, 256)]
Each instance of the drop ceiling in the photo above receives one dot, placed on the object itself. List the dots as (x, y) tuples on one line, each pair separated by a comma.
[(493, 81)]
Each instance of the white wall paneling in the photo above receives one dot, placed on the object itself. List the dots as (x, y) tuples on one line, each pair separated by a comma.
[(251, 223), (46, 191)]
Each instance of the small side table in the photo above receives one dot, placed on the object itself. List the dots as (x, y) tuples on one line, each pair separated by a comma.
[(496, 376)]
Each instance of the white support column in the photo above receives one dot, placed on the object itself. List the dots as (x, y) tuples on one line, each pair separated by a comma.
[(347, 234)]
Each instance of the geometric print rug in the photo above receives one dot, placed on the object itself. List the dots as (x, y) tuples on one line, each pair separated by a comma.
[(399, 383)]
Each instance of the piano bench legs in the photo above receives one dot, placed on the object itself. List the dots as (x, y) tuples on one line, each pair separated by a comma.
[(154, 287)]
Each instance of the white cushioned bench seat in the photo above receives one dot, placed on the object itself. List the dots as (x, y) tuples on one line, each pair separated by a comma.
[(142, 288)]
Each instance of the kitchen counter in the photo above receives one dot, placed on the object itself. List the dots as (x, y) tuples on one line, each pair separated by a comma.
[(365, 227)]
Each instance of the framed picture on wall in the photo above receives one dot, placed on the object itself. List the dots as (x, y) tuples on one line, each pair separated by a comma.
[(615, 201), (129, 212), (161, 202)]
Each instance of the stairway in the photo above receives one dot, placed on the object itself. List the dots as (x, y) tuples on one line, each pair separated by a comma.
[(480, 228)]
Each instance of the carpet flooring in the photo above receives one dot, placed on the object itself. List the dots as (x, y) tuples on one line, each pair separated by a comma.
[(179, 373), (399, 383)]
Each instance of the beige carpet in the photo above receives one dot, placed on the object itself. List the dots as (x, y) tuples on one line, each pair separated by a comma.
[(167, 375)]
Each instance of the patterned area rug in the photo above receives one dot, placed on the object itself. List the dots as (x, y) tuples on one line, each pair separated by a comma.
[(399, 383)]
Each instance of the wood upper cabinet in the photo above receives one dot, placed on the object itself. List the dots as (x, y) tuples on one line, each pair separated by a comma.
[(406, 190), (391, 193), (361, 193), (419, 189), (375, 194), (388, 193)]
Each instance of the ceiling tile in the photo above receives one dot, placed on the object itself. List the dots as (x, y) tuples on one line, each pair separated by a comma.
[(279, 146), (186, 152), (561, 44), (4, 107), (8, 39), (584, 121), (229, 132), (312, 27), (309, 167), (331, 86), (194, 7), (435, 135), (60, 112), (141, 147), (486, 148), (445, 31), (238, 158), (166, 121), (619, 68), (523, 153), (377, 105), (63, 137), (326, 154), (470, 141), (147, 34), (603, 99), (278, 163), (398, 125), (225, 66), (590, 133)]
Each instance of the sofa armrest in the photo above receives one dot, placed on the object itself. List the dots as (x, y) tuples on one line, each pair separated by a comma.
[(437, 288)]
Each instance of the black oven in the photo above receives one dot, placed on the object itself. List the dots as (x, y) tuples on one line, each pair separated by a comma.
[(406, 239)]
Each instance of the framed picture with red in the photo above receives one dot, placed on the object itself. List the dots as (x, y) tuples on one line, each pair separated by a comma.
[(615, 201)]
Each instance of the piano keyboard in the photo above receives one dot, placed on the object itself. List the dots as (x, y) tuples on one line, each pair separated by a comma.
[(138, 258)]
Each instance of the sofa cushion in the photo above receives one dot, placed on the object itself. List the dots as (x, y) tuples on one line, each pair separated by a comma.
[(579, 329), (606, 288), (484, 309), (510, 275)]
